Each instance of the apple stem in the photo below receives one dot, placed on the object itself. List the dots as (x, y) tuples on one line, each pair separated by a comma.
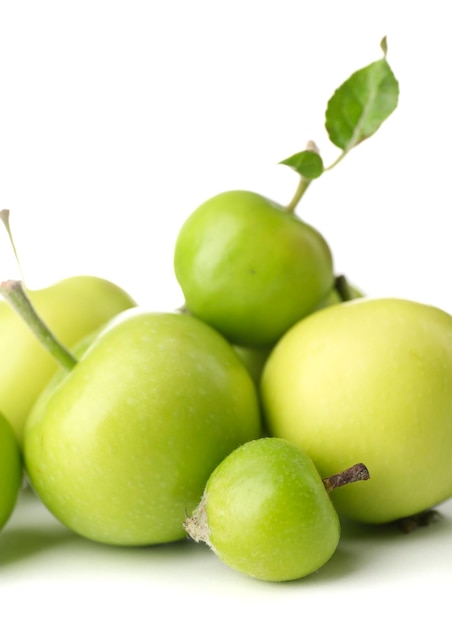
[(342, 287), (14, 293), (299, 193), (4, 216), (351, 475), (302, 185)]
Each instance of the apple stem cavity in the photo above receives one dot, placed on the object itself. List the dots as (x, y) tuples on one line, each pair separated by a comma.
[(353, 474), (14, 293)]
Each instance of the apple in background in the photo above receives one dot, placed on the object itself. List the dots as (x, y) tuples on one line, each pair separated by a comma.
[(10, 470), (255, 358), (250, 267), (73, 308), (120, 448), (371, 381)]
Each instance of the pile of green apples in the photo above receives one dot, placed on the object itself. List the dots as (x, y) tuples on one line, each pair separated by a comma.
[(251, 418)]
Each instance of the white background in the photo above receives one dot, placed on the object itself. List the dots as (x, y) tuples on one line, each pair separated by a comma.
[(116, 120)]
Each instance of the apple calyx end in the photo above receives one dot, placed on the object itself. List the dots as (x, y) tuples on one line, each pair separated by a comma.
[(196, 525)]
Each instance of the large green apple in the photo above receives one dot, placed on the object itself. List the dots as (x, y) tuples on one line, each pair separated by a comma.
[(120, 448), (73, 308), (250, 268), (10, 470), (369, 381)]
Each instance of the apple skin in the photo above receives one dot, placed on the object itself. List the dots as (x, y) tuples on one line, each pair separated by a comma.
[(11, 470), (121, 447), (72, 308), (249, 268), (266, 513), (369, 380)]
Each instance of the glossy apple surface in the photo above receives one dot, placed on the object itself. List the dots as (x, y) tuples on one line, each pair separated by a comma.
[(370, 381), (266, 513), (249, 268), (122, 447), (72, 308), (10, 470)]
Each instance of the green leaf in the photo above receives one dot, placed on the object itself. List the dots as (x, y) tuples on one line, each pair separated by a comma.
[(361, 104), (307, 163)]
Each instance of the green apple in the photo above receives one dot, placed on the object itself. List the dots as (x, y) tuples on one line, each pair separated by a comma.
[(369, 379), (254, 360), (10, 470), (120, 448), (73, 308), (250, 268), (266, 511)]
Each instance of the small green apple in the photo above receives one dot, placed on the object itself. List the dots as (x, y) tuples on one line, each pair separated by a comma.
[(10, 470), (266, 512), (73, 308), (120, 448), (372, 379), (250, 268)]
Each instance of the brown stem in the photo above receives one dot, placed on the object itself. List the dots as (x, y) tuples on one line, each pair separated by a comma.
[(351, 475)]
